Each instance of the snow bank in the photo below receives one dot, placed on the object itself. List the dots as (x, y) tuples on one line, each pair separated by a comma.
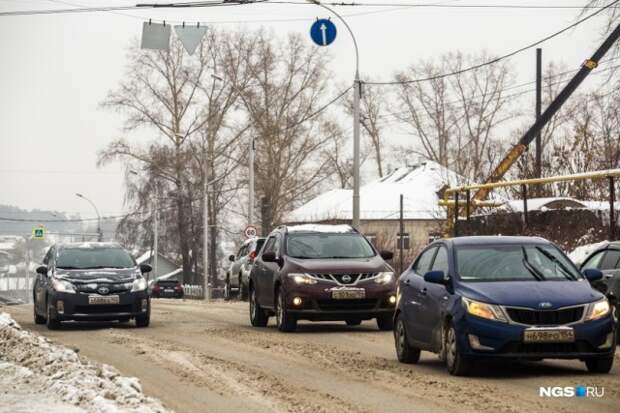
[(55, 374), (579, 254)]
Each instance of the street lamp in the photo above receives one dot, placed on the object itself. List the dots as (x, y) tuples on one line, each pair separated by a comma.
[(155, 213), (357, 86), (100, 238)]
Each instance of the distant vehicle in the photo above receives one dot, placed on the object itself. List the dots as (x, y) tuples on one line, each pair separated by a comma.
[(320, 273), (91, 281), (238, 275), (167, 289), (476, 298), (607, 259)]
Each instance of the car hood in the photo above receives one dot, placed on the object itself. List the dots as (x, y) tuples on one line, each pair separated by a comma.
[(98, 275), (339, 266), (531, 293)]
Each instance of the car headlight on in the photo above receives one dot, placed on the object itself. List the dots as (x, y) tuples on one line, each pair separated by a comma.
[(384, 278), (598, 309), (484, 310), (138, 285), (301, 278), (63, 286)]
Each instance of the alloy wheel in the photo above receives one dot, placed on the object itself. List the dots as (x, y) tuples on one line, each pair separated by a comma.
[(451, 348), (253, 305), (279, 305), (400, 337)]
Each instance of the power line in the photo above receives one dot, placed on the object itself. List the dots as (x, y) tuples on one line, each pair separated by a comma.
[(447, 6), (497, 59)]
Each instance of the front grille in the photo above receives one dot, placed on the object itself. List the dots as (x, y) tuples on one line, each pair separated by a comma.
[(345, 279), (102, 309), (540, 348), (545, 317), (114, 288), (344, 305)]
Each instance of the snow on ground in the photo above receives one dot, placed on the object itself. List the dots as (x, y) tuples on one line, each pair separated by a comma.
[(37, 375), (579, 254)]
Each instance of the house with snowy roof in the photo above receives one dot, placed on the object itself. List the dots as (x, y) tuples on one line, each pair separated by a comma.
[(167, 268), (420, 185)]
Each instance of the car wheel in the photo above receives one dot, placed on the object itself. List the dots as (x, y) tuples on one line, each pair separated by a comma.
[(353, 322), (599, 364), (37, 318), (243, 290), (405, 353), (51, 320), (456, 364), (385, 322), (258, 318), (285, 321), (227, 289)]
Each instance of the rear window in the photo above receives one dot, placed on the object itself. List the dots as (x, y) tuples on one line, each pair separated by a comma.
[(259, 244), (165, 283), (91, 258)]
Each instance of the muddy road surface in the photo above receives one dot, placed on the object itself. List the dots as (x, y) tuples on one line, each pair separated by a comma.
[(207, 358)]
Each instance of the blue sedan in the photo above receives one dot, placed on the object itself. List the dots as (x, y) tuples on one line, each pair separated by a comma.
[(475, 298)]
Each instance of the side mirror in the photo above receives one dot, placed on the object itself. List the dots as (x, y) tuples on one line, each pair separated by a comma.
[(144, 268), (386, 255), (269, 257), (592, 274), (435, 277), (231, 258), (42, 270)]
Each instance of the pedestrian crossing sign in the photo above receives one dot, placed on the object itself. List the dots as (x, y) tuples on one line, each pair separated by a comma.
[(38, 233)]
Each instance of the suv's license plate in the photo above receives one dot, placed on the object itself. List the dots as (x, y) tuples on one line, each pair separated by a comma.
[(348, 294), (108, 299), (564, 335)]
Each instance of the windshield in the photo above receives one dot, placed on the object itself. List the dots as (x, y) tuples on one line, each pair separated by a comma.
[(513, 263), (310, 246), (90, 258)]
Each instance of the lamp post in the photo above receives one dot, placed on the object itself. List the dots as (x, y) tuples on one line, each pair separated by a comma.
[(357, 86), (100, 238)]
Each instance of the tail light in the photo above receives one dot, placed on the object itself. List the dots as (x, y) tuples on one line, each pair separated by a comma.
[(178, 288), (156, 288), (252, 255)]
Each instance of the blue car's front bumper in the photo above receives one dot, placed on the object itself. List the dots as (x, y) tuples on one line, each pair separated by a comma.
[(505, 340)]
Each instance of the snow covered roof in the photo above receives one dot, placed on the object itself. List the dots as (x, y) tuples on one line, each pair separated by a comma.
[(380, 199), (148, 254), (539, 204), (579, 254)]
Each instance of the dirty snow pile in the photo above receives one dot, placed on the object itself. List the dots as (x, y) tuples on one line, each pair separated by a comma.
[(38, 375)]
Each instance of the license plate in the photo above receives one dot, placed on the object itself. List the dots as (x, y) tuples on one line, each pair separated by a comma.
[(168, 290), (564, 335), (108, 299), (349, 294)]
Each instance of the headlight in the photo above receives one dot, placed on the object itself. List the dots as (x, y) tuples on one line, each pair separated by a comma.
[(384, 278), (138, 285), (598, 309), (483, 310), (63, 286), (301, 278)]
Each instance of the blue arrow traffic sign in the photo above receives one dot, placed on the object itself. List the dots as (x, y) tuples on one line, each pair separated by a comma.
[(323, 32)]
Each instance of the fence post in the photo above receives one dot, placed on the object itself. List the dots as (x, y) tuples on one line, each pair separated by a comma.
[(524, 193), (456, 214), (612, 219), (467, 212)]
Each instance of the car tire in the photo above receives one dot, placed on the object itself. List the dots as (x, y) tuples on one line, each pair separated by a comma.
[(456, 364), (385, 322), (258, 317), (143, 320), (38, 319), (284, 320), (353, 322), (243, 290), (51, 321), (599, 364), (227, 289), (405, 352)]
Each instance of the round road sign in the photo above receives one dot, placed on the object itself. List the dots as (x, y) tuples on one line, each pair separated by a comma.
[(250, 231)]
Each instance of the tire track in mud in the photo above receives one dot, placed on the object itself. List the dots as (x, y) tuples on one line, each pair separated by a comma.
[(446, 392), (228, 377)]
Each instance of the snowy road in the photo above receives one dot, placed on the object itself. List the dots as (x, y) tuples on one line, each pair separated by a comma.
[(196, 358)]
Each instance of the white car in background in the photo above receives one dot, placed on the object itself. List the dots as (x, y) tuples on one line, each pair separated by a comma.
[(238, 274)]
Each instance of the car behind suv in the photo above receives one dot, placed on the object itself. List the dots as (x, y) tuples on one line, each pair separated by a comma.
[(321, 273), (474, 298), (167, 289), (238, 275), (90, 282)]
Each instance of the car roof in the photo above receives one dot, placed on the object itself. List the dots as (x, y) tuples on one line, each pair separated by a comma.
[(87, 245), (496, 239)]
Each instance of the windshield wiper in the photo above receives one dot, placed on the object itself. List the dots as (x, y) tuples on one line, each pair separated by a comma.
[(558, 263), (531, 268), (101, 267), (68, 268)]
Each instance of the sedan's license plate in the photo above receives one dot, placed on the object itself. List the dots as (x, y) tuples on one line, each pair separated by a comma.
[(564, 335), (108, 299), (168, 290), (349, 294)]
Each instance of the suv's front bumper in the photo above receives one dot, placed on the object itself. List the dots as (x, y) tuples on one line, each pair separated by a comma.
[(76, 307)]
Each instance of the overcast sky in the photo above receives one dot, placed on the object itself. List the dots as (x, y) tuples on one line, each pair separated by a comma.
[(56, 69)]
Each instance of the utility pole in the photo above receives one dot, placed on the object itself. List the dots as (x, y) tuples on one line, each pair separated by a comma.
[(155, 234), (205, 234), (538, 113), (99, 231), (251, 183)]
